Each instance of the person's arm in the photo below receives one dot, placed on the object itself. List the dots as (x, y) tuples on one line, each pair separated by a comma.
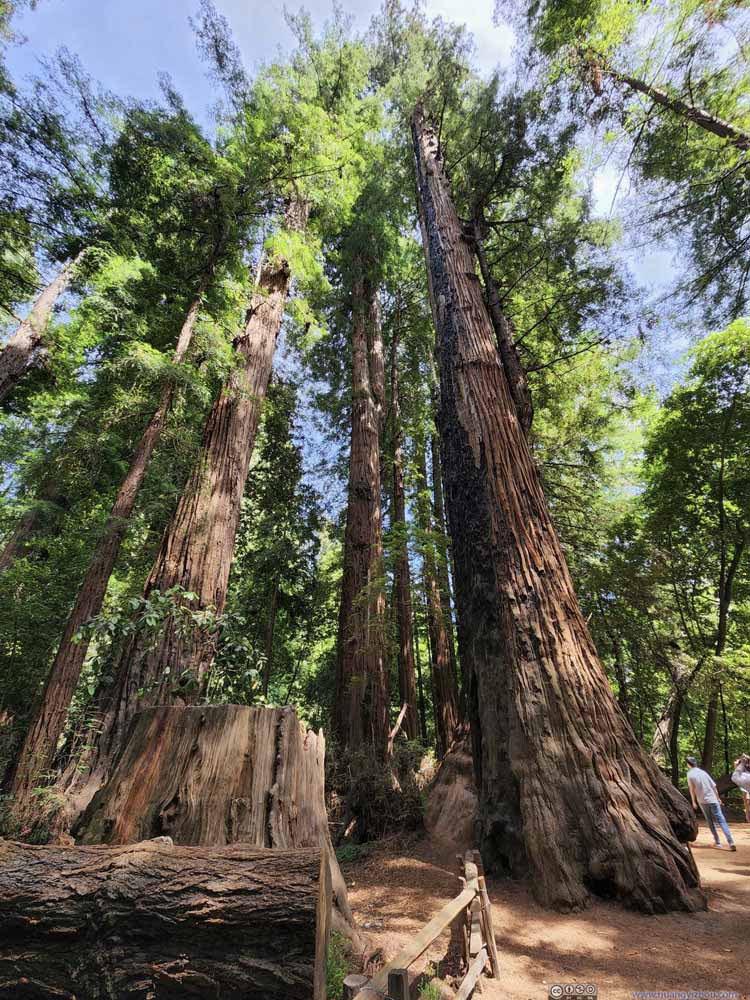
[(716, 789)]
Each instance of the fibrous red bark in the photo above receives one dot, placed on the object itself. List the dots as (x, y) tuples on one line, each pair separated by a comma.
[(155, 920), (361, 712), (441, 538), (565, 789), (216, 775)]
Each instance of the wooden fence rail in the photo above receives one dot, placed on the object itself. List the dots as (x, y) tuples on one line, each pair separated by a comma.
[(478, 937)]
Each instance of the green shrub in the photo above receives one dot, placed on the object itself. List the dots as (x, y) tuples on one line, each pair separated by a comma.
[(429, 992), (337, 966), (348, 853)]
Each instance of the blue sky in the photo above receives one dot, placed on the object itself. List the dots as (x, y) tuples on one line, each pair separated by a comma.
[(125, 44)]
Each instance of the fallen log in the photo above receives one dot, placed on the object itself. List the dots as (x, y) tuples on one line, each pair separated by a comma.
[(152, 920), (219, 774)]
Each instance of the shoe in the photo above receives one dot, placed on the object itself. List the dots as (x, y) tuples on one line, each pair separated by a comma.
[(717, 845), (732, 847)]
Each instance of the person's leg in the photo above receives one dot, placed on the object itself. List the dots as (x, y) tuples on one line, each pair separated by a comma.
[(719, 817), (706, 810), (746, 803)]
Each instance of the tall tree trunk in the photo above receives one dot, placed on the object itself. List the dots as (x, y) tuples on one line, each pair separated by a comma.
[(48, 721), (726, 593), (622, 681), (25, 345), (420, 684), (539, 700), (361, 713), (270, 629), (665, 743), (444, 683), (402, 583), (511, 360), (198, 543), (443, 559)]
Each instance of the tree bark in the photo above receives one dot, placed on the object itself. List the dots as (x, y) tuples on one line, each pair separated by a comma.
[(270, 629), (444, 682), (420, 684), (726, 589), (154, 920), (622, 681), (665, 743), (539, 700), (48, 721), (198, 543), (361, 712), (511, 360), (443, 560), (217, 775), (402, 584), (27, 341)]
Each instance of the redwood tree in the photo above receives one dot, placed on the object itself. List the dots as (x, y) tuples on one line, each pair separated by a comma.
[(198, 543), (402, 586), (444, 680), (565, 790), (361, 713)]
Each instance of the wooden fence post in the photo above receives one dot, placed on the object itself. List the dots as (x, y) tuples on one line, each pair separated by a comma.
[(489, 930), (398, 984)]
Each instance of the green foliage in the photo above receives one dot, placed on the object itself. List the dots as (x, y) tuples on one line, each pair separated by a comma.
[(235, 678), (698, 471), (429, 991), (337, 966), (692, 181), (349, 854)]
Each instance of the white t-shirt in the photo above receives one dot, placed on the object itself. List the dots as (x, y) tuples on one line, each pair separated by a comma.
[(703, 786)]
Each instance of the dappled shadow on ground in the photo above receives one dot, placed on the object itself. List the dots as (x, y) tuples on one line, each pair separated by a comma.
[(623, 952)]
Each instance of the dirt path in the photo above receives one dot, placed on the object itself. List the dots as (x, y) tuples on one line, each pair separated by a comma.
[(621, 952)]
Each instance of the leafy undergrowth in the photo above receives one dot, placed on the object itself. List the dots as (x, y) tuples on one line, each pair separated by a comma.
[(337, 966), (348, 854)]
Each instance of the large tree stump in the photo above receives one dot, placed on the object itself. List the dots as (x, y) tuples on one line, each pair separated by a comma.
[(156, 921), (219, 774)]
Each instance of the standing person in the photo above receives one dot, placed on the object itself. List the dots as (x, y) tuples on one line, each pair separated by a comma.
[(704, 793), (741, 778)]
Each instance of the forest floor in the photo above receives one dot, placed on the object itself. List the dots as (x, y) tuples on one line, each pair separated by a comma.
[(401, 884)]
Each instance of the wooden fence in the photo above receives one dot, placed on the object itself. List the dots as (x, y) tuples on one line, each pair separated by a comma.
[(477, 934)]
